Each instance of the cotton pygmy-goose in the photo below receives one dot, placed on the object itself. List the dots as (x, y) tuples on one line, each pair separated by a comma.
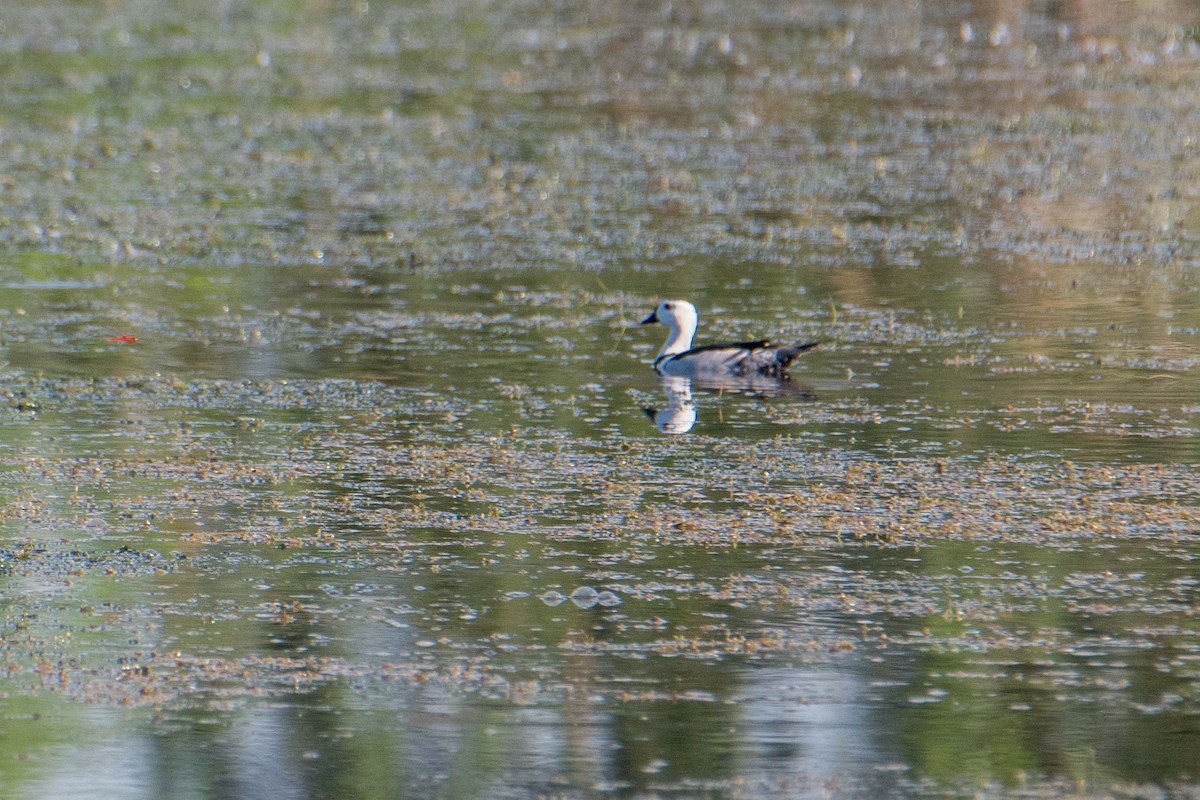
[(716, 361)]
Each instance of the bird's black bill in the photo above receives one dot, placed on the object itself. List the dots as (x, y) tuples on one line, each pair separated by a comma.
[(652, 318)]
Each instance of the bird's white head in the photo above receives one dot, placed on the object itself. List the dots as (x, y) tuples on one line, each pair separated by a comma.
[(680, 316)]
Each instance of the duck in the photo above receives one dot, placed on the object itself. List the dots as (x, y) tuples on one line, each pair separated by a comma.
[(716, 362)]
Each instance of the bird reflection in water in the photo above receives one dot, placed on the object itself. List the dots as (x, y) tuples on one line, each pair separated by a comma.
[(679, 414)]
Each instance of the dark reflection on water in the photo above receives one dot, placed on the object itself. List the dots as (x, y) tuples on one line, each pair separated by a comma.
[(679, 413), (325, 465)]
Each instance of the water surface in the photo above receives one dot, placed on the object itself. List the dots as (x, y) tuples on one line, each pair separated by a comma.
[(325, 461)]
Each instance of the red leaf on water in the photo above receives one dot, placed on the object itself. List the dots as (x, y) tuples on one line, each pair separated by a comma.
[(128, 338)]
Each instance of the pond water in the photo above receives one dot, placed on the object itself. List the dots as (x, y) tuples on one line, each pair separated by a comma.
[(329, 464)]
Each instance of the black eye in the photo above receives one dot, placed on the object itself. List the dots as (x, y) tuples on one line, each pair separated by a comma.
[(668, 306)]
